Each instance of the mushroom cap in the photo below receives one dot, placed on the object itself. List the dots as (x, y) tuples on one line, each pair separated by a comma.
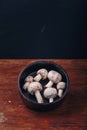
[(61, 85), (50, 93), (43, 72), (34, 86), (29, 79), (54, 76), (26, 85)]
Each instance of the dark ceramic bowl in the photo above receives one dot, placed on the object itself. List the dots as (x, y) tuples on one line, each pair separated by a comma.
[(30, 100)]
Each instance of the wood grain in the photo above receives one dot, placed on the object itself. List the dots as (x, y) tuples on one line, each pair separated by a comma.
[(71, 115)]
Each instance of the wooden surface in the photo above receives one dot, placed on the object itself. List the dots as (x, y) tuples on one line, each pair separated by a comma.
[(71, 115)]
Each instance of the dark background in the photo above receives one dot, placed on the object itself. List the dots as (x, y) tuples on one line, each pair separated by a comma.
[(43, 29)]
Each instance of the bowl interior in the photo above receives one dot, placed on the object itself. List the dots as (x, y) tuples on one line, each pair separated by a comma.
[(32, 70)]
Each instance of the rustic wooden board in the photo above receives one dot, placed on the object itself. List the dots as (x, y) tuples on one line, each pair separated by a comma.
[(71, 115)]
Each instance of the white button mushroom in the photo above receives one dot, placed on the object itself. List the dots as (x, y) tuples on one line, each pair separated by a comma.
[(50, 93), (54, 77), (60, 87), (35, 88), (41, 74), (28, 80)]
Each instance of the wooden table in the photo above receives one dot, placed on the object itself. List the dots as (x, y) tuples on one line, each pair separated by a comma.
[(71, 115)]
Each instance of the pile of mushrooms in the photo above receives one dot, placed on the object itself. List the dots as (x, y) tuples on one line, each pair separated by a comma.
[(34, 87)]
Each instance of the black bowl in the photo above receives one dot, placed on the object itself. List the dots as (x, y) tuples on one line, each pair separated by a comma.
[(30, 100)]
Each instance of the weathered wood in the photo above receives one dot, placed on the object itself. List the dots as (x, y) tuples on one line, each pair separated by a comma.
[(71, 115)]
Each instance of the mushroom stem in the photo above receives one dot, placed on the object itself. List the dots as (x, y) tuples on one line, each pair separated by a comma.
[(49, 84), (50, 100), (60, 92), (37, 78), (38, 97)]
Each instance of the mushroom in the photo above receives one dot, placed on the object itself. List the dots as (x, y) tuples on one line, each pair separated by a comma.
[(41, 74), (28, 80), (60, 87), (54, 77), (50, 93), (34, 89)]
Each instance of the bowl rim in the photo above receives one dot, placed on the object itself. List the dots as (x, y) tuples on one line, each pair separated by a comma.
[(48, 62)]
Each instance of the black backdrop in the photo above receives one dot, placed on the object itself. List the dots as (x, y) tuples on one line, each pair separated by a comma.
[(43, 29)]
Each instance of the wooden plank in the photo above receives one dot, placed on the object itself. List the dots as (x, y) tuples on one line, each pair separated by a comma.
[(71, 115)]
